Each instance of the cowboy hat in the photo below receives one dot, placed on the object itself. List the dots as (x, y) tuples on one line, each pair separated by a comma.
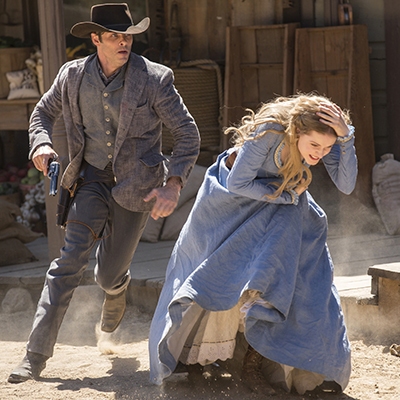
[(109, 17)]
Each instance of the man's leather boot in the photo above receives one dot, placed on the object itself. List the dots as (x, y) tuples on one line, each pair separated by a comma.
[(30, 368), (252, 375), (113, 310)]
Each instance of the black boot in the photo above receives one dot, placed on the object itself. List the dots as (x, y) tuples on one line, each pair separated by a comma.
[(252, 375), (30, 368), (113, 310)]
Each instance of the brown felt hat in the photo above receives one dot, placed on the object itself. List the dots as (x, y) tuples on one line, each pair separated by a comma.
[(109, 17)]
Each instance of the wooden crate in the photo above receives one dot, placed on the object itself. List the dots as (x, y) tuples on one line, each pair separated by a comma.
[(259, 66), (334, 61)]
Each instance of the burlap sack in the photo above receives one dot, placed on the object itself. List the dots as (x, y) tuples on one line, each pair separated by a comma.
[(8, 213), (19, 231), (13, 251), (386, 192)]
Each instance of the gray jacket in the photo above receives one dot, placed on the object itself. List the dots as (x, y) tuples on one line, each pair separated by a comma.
[(149, 99)]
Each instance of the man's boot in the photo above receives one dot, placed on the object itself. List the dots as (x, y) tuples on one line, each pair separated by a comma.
[(30, 368), (252, 375), (113, 310)]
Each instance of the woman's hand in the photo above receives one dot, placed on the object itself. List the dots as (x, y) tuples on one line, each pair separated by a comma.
[(301, 187), (332, 115)]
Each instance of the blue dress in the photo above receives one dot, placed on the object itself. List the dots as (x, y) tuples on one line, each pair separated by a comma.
[(234, 241)]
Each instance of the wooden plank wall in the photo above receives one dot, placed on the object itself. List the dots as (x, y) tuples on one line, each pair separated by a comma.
[(255, 12), (203, 23), (259, 66), (334, 62), (321, 70), (203, 28)]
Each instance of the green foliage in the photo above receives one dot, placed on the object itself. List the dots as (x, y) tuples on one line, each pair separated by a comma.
[(9, 41)]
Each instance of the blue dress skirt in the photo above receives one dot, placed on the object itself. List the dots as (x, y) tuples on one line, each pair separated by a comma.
[(232, 244)]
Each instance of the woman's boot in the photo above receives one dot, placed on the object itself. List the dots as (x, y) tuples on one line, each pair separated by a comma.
[(252, 375)]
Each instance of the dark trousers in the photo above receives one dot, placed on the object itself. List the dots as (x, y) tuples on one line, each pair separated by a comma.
[(94, 218)]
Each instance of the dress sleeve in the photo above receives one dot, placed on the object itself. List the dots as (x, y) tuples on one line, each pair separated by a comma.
[(341, 163), (243, 178)]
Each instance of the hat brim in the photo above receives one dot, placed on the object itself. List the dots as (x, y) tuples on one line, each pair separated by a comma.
[(84, 29)]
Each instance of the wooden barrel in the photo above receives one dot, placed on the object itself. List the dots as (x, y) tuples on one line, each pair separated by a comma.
[(11, 59)]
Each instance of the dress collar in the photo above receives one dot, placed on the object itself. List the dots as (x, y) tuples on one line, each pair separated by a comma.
[(278, 155)]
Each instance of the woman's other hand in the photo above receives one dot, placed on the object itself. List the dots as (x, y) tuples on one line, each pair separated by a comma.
[(301, 187)]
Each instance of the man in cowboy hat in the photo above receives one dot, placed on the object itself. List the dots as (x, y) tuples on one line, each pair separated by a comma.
[(113, 104)]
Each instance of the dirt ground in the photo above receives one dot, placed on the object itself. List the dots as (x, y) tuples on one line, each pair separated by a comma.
[(116, 366)]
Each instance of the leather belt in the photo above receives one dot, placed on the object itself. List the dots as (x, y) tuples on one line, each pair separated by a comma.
[(89, 173)]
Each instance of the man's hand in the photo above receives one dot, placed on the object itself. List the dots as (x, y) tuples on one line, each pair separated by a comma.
[(166, 198), (41, 158)]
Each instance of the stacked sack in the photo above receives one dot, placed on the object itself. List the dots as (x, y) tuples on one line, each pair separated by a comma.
[(13, 235), (386, 192)]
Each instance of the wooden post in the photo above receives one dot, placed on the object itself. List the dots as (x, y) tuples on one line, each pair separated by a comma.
[(52, 43)]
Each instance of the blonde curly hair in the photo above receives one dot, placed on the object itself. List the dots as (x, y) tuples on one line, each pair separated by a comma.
[(297, 115)]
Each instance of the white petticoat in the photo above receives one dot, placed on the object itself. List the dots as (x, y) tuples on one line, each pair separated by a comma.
[(212, 337)]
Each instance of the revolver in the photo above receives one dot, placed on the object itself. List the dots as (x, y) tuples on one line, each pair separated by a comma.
[(54, 170)]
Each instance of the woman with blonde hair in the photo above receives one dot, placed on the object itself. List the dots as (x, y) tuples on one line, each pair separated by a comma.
[(252, 256)]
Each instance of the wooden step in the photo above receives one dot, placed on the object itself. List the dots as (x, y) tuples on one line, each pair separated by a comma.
[(389, 271)]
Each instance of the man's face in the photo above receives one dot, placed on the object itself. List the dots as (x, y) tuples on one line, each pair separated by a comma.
[(113, 50)]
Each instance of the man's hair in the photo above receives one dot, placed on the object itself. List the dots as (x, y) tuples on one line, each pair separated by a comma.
[(99, 34)]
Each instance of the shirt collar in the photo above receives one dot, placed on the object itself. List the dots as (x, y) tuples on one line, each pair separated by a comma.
[(107, 80)]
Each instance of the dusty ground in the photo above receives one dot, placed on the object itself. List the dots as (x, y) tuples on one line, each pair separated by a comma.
[(116, 366)]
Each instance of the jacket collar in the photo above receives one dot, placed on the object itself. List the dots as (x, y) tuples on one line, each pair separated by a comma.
[(135, 81)]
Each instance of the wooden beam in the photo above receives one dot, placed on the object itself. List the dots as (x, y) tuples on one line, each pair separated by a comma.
[(52, 38), (392, 37), (53, 47)]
